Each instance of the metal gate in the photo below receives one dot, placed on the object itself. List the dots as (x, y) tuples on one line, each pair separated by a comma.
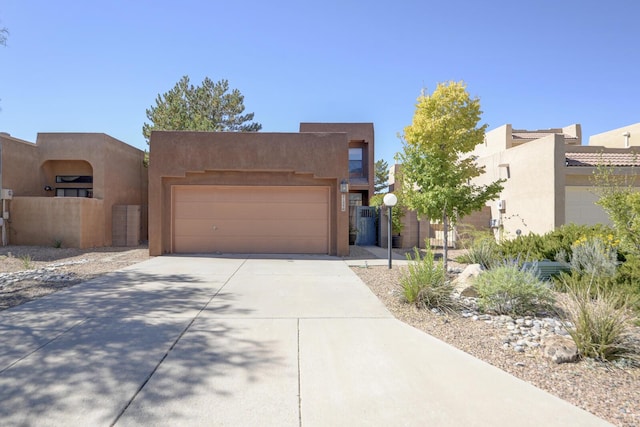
[(366, 224)]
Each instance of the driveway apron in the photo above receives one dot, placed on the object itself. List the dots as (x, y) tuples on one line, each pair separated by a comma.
[(245, 341)]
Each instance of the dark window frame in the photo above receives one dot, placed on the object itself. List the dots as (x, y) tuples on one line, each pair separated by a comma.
[(74, 179), (356, 166)]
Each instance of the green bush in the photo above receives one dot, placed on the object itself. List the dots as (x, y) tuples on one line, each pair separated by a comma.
[(595, 266), (526, 248), (425, 283), (574, 281), (592, 257), (507, 289), (600, 325), (535, 247), (482, 251), (627, 279)]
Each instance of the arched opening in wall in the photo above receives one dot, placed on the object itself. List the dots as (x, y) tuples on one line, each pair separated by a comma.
[(67, 178)]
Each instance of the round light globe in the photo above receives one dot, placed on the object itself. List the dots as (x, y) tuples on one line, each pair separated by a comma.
[(390, 199)]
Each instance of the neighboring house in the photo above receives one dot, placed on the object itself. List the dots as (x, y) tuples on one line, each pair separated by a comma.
[(258, 192), (417, 231), (74, 189), (549, 175), (548, 180)]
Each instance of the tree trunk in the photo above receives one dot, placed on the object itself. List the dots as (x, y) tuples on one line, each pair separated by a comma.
[(445, 240)]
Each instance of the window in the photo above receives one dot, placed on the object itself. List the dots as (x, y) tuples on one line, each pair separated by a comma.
[(355, 199), (356, 167), (74, 179), (74, 192)]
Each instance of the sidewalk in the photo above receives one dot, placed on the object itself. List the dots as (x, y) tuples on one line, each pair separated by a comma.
[(379, 256)]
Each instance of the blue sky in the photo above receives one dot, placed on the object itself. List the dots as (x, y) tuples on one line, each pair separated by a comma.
[(96, 66)]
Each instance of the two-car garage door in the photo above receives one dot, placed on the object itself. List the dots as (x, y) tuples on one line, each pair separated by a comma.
[(250, 219)]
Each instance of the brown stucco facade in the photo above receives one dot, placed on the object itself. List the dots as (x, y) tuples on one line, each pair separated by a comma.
[(41, 213), (227, 160), (360, 136)]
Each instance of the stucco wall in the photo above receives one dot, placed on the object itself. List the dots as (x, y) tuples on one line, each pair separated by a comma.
[(360, 135), (534, 187), (119, 175), (20, 168), (75, 221), (228, 158), (615, 138), (495, 141)]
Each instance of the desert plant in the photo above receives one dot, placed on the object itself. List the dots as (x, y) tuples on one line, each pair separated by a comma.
[(482, 251), (600, 325), (508, 289), (593, 257), (57, 243), (627, 279), (26, 262), (553, 245), (425, 283)]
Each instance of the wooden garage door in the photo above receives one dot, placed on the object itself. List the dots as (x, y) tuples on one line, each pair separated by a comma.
[(242, 219)]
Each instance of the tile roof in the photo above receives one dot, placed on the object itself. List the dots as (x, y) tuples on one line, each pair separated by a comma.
[(593, 159)]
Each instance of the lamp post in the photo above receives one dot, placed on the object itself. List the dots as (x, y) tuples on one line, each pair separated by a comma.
[(389, 201)]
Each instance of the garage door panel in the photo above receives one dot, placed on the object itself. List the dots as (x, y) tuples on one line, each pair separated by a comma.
[(581, 206), (248, 211), (250, 219), (257, 228), (240, 245), (203, 193)]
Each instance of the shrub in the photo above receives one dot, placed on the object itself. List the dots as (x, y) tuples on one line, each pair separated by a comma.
[(594, 258), (600, 324), (508, 289), (27, 262), (627, 279), (481, 251), (534, 247), (424, 283)]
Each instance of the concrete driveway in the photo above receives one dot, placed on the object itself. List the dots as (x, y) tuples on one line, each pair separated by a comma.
[(245, 341)]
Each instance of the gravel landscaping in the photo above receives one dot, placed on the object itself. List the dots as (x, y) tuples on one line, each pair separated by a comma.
[(29, 272), (610, 391)]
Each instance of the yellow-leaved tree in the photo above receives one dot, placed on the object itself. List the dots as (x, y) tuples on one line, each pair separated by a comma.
[(437, 169)]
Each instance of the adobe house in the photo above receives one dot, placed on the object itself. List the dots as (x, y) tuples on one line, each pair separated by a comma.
[(549, 180), (76, 189), (549, 175), (257, 192)]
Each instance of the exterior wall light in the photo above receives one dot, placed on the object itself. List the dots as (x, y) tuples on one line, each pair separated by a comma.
[(389, 201), (344, 189), (344, 186), (47, 188)]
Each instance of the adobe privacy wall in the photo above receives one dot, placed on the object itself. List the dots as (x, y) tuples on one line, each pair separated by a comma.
[(74, 222), (245, 159)]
